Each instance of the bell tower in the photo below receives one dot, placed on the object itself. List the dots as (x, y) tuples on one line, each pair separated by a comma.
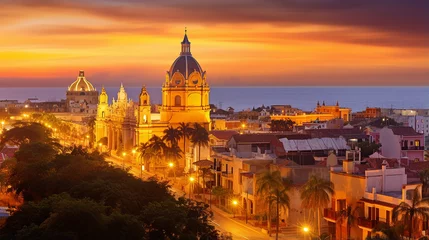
[(144, 107), (102, 114)]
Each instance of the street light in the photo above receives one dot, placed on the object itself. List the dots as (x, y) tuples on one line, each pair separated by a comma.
[(306, 230), (191, 180), (171, 165), (234, 203)]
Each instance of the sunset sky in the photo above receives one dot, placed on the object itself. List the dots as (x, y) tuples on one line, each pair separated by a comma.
[(238, 42)]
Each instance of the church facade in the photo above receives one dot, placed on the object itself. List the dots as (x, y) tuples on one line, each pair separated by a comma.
[(185, 98)]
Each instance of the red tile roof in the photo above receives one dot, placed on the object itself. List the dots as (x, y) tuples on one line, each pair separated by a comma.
[(268, 137), (254, 138), (347, 133), (404, 131), (223, 135), (377, 162)]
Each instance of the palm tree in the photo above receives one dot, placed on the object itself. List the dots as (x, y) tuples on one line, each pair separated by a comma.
[(173, 153), (145, 155), (280, 197), (171, 136), (157, 148), (268, 182), (350, 215), (315, 194), (185, 131), (412, 212), (200, 137), (387, 231), (424, 178)]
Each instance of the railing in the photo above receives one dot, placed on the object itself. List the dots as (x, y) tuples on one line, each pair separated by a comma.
[(413, 148), (330, 213), (225, 174), (366, 223)]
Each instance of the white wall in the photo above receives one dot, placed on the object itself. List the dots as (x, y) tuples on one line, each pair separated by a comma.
[(390, 144)]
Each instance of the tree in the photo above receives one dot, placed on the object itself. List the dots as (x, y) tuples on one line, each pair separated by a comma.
[(268, 183), (349, 215), (171, 136), (315, 194), (220, 192), (200, 137), (411, 212), (185, 131), (281, 125), (157, 147), (424, 179), (145, 155), (387, 232), (368, 148), (280, 197), (26, 133)]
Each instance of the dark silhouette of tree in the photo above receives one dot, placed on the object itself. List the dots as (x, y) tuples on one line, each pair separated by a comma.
[(185, 131), (281, 125)]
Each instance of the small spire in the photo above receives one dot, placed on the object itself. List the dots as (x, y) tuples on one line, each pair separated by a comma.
[(318, 103), (338, 103), (323, 103), (103, 89)]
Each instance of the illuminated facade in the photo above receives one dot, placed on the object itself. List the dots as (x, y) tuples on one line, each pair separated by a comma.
[(322, 113), (185, 98), (81, 96)]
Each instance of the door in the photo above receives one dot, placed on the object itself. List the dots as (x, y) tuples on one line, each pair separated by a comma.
[(377, 213), (388, 217)]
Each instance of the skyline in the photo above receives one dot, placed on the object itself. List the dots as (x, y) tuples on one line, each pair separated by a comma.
[(245, 43)]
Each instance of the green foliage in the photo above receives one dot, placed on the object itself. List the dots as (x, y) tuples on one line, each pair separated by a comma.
[(315, 194), (274, 190), (410, 212), (75, 194), (368, 148), (424, 179), (27, 133), (281, 125)]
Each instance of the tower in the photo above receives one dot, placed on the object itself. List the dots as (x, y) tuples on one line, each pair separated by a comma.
[(144, 107), (185, 93), (102, 114)]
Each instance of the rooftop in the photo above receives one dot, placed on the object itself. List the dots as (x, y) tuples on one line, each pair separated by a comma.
[(404, 131)]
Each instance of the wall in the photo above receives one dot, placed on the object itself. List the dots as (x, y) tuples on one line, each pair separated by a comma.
[(390, 144)]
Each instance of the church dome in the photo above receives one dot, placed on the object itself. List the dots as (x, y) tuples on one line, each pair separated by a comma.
[(81, 84), (185, 63)]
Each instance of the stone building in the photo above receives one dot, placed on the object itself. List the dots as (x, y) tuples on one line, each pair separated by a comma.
[(81, 96)]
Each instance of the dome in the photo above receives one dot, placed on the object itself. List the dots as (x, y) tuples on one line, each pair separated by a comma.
[(81, 84), (185, 64)]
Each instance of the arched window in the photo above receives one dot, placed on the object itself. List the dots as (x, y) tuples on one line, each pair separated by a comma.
[(102, 114), (177, 101)]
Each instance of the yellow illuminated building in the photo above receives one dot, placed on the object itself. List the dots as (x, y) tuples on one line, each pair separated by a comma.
[(322, 113), (185, 98)]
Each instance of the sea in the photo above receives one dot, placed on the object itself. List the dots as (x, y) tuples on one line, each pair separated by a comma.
[(242, 98)]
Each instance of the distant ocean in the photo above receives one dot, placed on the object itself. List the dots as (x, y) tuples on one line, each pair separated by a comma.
[(241, 98)]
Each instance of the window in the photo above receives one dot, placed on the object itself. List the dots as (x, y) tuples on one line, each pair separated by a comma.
[(102, 114), (178, 81), (417, 143), (177, 101)]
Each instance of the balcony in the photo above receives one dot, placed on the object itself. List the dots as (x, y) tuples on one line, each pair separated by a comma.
[(216, 169), (227, 175), (330, 214), (413, 148), (366, 223)]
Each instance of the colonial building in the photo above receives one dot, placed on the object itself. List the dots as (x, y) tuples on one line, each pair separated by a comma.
[(322, 112), (81, 97), (185, 98)]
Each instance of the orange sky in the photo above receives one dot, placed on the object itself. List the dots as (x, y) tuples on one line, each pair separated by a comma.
[(258, 43)]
